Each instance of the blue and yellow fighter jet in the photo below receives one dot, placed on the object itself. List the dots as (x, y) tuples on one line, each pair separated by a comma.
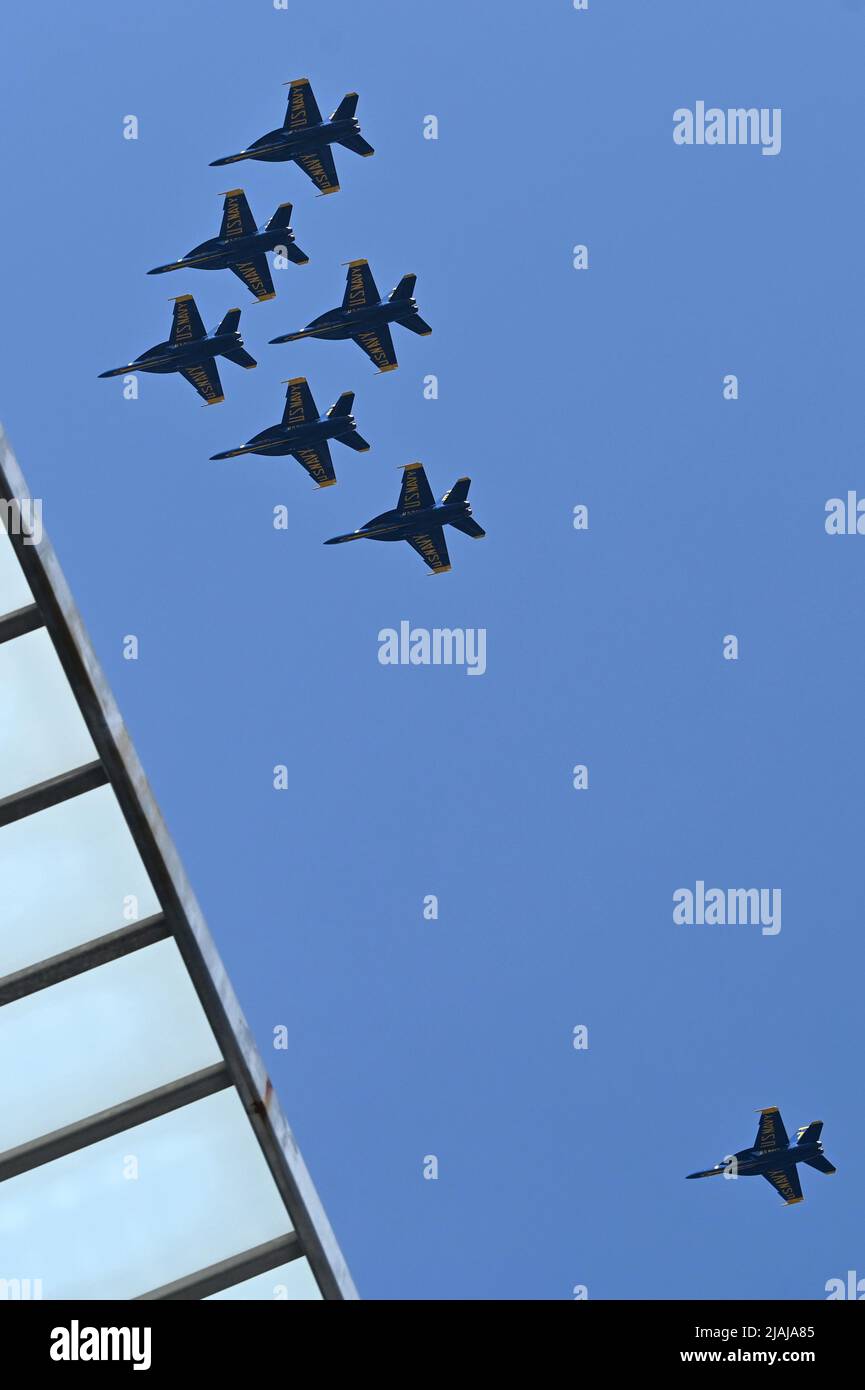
[(775, 1157), (242, 246), (364, 316), (420, 520), (306, 138), (304, 433), (192, 351)]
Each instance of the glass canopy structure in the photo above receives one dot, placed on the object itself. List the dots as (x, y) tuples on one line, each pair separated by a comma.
[(143, 1153)]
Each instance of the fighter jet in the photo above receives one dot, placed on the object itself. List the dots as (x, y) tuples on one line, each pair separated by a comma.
[(364, 316), (242, 246), (192, 351), (304, 433), (420, 520), (307, 139), (775, 1157)]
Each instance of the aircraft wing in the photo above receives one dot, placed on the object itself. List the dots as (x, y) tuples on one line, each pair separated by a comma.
[(771, 1133), (255, 274), (786, 1182), (378, 346), (317, 462), (186, 324), (237, 219), (360, 287), (302, 109), (205, 379), (415, 493), (319, 166), (432, 548), (300, 407)]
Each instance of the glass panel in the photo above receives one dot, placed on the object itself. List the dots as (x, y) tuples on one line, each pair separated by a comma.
[(41, 729), (131, 1213), (98, 1039), (68, 874), (14, 589), (292, 1282)]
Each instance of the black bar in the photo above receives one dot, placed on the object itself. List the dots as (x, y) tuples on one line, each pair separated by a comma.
[(106, 1123), (63, 788), (230, 1272), (78, 959), (22, 620)]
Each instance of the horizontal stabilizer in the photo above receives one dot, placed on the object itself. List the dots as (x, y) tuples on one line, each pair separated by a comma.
[(354, 441), (241, 358), (416, 324), (469, 527), (356, 142), (821, 1163)]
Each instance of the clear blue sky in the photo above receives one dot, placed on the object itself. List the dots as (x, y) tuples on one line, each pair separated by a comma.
[(257, 647)]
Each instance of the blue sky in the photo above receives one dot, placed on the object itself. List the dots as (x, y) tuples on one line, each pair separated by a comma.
[(556, 387)]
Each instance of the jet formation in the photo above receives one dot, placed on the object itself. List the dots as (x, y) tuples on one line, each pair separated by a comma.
[(420, 520), (305, 434), (773, 1156), (306, 139), (192, 351), (242, 246), (365, 317)]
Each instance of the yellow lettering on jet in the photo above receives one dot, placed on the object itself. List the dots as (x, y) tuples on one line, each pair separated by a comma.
[(313, 464), (295, 407)]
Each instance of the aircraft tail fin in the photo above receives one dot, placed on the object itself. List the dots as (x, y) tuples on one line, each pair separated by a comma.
[(404, 290), (347, 108), (821, 1163), (343, 405), (281, 218), (231, 322), (459, 492), (810, 1134)]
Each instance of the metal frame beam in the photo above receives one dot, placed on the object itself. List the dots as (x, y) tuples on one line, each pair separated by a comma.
[(106, 1123), (19, 622), (230, 1272), (79, 959), (178, 902), (64, 787)]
